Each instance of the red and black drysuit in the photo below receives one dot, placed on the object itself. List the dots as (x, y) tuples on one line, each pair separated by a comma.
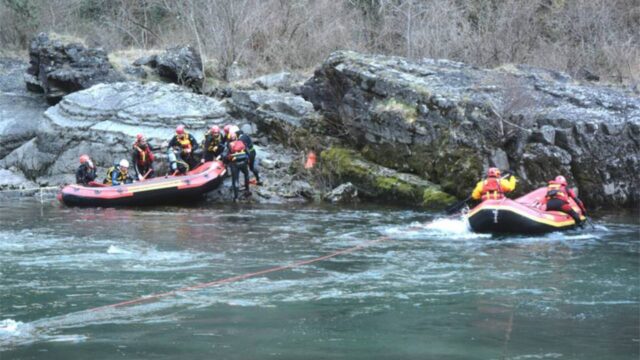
[(252, 155), (142, 159), (235, 154)]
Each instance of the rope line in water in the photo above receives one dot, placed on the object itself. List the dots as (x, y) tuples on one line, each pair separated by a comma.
[(238, 277)]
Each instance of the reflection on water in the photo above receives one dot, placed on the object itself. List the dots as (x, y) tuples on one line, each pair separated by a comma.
[(428, 289)]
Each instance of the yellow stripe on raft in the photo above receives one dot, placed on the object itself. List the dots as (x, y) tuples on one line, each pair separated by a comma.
[(538, 219), (164, 185)]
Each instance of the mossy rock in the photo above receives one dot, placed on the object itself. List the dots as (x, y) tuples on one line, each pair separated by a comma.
[(380, 183)]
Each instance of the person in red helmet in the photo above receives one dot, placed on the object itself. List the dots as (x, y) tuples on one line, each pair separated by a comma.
[(235, 154), (494, 186), (557, 198), (86, 172), (142, 158), (187, 144), (213, 144)]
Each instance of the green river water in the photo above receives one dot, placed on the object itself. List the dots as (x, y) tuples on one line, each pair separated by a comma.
[(421, 287)]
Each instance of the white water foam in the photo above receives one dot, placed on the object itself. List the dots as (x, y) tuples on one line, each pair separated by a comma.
[(116, 250), (439, 228)]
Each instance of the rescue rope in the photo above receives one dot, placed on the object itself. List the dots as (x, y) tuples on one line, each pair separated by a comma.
[(231, 279)]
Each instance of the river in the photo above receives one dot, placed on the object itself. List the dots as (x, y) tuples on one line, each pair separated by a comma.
[(409, 285)]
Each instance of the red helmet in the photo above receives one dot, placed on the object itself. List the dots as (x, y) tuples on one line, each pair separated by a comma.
[(233, 136), (226, 128), (140, 139), (561, 180), (180, 129), (493, 172), (84, 159), (215, 129)]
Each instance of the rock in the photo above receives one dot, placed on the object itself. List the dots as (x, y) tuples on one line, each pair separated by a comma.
[(282, 81), (276, 114), (150, 61), (58, 69), (181, 65), (380, 183), (20, 110), (14, 180), (103, 121), (343, 194), (136, 72), (448, 122)]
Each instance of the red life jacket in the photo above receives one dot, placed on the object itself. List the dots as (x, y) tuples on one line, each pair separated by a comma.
[(145, 155), (491, 189), (556, 191), (237, 151)]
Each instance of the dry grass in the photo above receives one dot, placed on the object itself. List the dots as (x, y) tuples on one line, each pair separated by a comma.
[(601, 36)]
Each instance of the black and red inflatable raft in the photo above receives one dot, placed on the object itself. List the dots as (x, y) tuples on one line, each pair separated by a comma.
[(524, 215), (156, 191)]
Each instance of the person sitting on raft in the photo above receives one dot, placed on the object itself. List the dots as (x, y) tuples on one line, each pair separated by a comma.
[(557, 199), (142, 158), (187, 143), (235, 154), (118, 174), (494, 187), (86, 172), (213, 144)]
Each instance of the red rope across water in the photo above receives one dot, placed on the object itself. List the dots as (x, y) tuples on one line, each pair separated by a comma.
[(237, 277)]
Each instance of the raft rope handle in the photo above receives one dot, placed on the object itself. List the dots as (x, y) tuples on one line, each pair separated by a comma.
[(231, 279)]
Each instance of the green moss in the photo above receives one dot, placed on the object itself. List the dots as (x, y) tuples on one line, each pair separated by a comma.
[(377, 182), (435, 199), (408, 112)]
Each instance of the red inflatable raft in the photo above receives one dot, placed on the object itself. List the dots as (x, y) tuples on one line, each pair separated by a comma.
[(524, 215), (160, 190)]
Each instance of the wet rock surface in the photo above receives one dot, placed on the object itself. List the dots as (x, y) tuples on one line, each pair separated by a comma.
[(343, 194), (57, 69), (447, 122)]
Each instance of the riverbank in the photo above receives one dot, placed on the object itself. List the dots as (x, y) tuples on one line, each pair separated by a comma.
[(409, 132)]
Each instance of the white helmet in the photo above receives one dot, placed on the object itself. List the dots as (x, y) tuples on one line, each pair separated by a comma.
[(124, 163)]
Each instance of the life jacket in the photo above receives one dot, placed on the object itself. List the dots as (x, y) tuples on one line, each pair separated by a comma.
[(491, 189), (214, 143), (121, 176), (184, 141), (145, 156), (556, 191), (237, 151)]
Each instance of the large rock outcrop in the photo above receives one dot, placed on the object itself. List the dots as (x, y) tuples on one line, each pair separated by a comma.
[(103, 121), (57, 69), (181, 65), (447, 122)]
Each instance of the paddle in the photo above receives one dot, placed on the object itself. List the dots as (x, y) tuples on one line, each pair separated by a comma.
[(454, 208), (142, 177)]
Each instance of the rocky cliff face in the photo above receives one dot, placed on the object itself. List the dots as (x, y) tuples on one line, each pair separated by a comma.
[(57, 69), (447, 122)]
